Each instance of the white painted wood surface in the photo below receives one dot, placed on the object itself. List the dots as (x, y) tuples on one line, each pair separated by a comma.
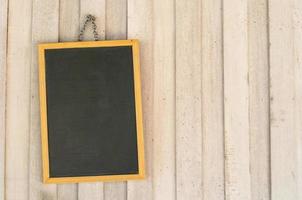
[(285, 98), (236, 100), (222, 96), (164, 162), (259, 99), (3, 66), (212, 101), (188, 102), (41, 31), (19, 55)]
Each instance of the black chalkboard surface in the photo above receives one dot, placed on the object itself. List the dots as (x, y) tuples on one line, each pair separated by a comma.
[(91, 115)]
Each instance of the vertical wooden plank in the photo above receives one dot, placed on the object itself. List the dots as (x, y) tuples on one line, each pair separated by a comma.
[(88, 191), (236, 100), (3, 52), (285, 99), (164, 100), (45, 23), (297, 21), (18, 99), (115, 190), (116, 19), (212, 101), (259, 99), (140, 18), (188, 100), (116, 28), (67, 191), (69, 26)]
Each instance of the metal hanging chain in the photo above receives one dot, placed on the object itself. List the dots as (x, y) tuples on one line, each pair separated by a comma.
[(89, 18)]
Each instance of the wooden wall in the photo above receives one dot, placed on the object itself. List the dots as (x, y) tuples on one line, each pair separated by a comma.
[(222, 96)]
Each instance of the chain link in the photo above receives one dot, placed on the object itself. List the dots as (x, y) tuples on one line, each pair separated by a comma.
[(89, 18)]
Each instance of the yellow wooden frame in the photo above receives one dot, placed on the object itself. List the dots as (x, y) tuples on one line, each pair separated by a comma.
[(138, 109)]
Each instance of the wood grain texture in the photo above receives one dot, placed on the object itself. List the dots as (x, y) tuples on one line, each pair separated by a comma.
[(3, 52), (43, 11), (259, 99), (115, 190), (188, 102), (297, 20), (164, 100), (212, 101), (88, 191), (67, 192), (18, 99), (69, 20), (140, 27), (116, 21), (285, 98), (236, 100), (69, 26)]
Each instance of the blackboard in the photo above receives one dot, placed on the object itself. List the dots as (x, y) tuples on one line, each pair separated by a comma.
[(91, 115)]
